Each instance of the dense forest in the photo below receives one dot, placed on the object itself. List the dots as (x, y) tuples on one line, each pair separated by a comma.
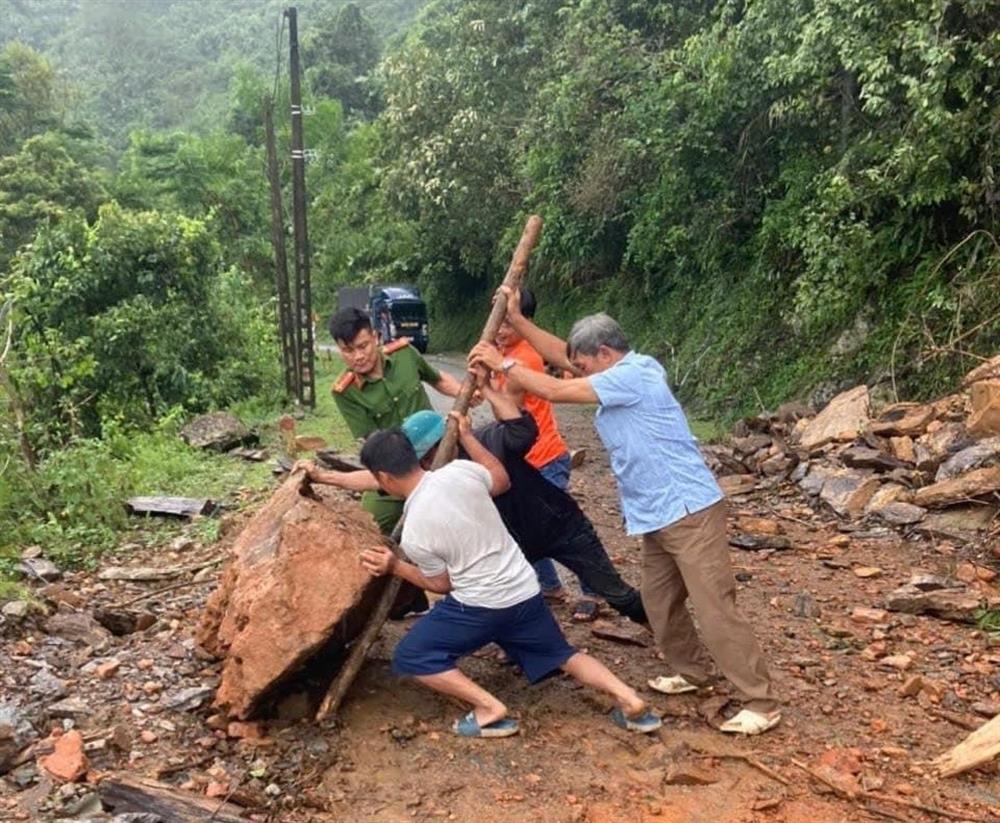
[(776, 198)]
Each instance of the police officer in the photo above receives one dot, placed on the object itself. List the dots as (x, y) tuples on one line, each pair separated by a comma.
[(383, 385)]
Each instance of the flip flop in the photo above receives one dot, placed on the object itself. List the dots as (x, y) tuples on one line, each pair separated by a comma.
[(644, 724), (588, 611), (751, 723), (674, 684), (468, 726)]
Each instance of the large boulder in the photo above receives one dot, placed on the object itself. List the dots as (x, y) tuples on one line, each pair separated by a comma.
[(937, 445), (843, 418), (219, 431), (293, 591)]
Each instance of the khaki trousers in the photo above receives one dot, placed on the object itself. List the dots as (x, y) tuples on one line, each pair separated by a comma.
[(689, 559)]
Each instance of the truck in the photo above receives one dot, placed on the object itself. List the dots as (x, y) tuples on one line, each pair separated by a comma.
[(396, 311)]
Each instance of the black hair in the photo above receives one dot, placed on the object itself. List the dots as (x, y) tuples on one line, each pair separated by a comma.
[(389, 451), (528, 303), (346, 324)]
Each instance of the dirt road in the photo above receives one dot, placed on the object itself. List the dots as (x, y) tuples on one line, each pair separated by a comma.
[(392, 758)]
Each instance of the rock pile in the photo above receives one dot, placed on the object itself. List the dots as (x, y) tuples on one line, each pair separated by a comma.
[(930, 467)]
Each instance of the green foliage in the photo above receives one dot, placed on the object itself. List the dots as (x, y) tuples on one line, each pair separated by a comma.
[(28, 103), (128, 317), (165, 65), (341, 52), (743, 183), (42, 183)]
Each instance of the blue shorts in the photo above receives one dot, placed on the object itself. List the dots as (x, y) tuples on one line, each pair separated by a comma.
[(527, 631)]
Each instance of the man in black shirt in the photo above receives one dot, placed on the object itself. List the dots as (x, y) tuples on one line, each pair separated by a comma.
[(544, 520)]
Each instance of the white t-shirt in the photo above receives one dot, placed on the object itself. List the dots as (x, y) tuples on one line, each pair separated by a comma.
[(451, 524)]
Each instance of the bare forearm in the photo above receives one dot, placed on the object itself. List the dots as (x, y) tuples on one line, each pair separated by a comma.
[(551, 348), (573, 390), (359, 481), (448, 385), (411, 574)]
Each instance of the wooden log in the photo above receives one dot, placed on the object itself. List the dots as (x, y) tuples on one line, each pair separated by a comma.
[(978, 748), (446, 452), (123, 793)]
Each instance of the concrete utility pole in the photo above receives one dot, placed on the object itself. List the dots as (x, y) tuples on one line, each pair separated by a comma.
[(286, 315), (303, 288)]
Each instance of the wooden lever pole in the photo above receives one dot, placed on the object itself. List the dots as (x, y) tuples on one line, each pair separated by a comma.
[(446, 452)]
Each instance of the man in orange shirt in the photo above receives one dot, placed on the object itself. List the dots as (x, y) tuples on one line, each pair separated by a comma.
[(549, 454)]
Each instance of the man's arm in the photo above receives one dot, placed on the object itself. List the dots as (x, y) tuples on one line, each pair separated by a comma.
[(574, 390), (379, 560), (448, 385), (359, 481), (551, 348), (499, 479)]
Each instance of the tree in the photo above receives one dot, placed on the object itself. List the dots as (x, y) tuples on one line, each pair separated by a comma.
[(28, 102), (43, 183), (340, 54)]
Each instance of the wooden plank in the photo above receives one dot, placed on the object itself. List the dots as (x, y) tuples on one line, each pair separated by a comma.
[(978, 748), (124, 793), (170, 506)]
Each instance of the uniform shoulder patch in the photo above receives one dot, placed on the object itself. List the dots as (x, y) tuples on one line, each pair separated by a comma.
[(396, 345), (343, 383)]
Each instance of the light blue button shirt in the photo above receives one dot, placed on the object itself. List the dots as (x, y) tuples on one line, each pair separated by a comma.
[(660, 472)]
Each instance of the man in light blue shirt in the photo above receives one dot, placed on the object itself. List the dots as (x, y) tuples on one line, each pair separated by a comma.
[(668, 496)]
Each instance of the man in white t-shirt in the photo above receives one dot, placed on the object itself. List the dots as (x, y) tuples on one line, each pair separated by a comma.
[(460, 548)]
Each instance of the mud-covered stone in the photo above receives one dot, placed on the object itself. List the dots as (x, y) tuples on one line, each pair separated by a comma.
[(294, 589), (904, 419)]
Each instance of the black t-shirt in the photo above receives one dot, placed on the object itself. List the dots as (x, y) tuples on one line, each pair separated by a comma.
[(535, 512)]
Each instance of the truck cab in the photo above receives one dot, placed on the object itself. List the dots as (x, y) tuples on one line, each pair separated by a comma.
[(399, 311)]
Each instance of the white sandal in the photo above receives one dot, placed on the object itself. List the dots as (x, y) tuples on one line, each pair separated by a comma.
[(674, 684), (751, 723)]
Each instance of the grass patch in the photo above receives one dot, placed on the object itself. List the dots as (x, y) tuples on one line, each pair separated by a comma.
[(73, 504)]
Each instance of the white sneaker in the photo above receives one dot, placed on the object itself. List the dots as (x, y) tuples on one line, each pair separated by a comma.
[(674, 684)]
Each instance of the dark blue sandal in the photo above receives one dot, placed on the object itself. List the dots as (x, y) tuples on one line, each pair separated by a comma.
[(644, 724), (468, 726)]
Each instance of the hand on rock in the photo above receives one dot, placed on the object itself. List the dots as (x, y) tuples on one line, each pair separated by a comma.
[(377, 561)]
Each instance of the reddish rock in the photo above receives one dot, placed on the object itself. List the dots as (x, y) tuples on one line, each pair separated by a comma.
[(964, 487), (107, 669), (847, 412), (736, 484), (902, 449), (294, 589), (245, 731), (904, 420), (67, 763), (840, 767), (984, 419), (990, 370), (865, 615)]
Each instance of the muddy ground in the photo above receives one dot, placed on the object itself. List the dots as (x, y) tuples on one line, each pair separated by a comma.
[(391, 757)]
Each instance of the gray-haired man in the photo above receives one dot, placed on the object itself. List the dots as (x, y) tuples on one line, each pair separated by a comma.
[(668, 496)]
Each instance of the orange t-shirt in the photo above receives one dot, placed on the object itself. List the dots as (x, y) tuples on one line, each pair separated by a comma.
[(549, 444)]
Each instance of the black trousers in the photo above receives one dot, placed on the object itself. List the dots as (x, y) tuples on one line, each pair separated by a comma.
[(580, 550)]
